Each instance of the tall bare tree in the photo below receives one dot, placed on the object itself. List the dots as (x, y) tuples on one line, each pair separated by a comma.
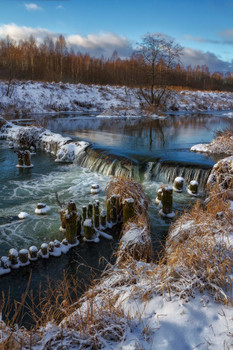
[(158, 56)]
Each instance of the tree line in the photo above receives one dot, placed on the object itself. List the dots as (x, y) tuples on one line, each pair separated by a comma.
[(52, 60)]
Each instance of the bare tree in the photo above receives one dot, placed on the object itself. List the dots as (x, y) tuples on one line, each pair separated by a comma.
[(158, 56)]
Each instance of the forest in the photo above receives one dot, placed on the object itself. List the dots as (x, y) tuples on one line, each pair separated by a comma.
[(53, 60)]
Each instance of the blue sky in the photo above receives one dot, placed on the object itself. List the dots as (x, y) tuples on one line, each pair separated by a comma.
[(204, 28)]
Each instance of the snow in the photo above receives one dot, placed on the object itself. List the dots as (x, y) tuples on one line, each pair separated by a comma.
[(201, 147), (95, 188), (43, 210), (37, 97), (169, 215), (88, 223), (23, 215), (179, 179), (68, 153), (194, 183)]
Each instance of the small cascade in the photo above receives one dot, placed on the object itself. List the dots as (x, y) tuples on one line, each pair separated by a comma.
[(106, 164), (171, 170)]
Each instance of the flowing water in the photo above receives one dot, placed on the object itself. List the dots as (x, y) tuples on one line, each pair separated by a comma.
[(154, 151)]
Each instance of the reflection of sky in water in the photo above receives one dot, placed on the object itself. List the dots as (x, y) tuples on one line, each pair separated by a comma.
[(168, 138)]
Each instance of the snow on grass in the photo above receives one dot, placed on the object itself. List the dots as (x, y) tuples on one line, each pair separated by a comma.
[(222, 144), (37, 97)]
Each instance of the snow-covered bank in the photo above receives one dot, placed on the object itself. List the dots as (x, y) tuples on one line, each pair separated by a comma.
[(37, 97), (62, 147), (222, 144)]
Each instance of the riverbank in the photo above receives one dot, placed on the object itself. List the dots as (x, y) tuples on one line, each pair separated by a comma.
[(182, 301), (29, 97)]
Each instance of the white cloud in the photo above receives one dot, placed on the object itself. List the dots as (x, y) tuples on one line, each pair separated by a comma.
[(18, 33), (101, 44), (59, 7), (32, 7)]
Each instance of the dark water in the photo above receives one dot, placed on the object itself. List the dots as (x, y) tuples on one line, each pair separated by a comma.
[(141, 140)]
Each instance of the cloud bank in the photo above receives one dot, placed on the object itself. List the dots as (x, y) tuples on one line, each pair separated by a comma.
[(195, 57)]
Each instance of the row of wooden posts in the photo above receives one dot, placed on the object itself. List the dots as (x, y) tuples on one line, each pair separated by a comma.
[(92, 220), (24, 158)]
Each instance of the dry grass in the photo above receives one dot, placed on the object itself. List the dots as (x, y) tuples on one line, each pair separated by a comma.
[(222, 177), (223, 142), (136, 241), (128, 188)]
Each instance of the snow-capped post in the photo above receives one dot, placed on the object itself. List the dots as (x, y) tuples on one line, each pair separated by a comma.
[(27, 158), (193, 188), (51, 247), (178, 184), (62, 213), (113, 210), (84, 213), (108, 211), (95, 188), (71, 223), (96, 215), (128, 209), (57, 244), (33, 253), (88, 229), (167, 202), (20, 158), (103, 216), (159, 196), (44, 253), (24, 256), (13, 257), (42, 209), (5, 263)]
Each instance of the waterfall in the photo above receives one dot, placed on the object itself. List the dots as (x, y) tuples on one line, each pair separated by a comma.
[(106, 164), (169, 170)]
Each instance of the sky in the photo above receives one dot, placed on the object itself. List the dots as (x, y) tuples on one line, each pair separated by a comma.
[(204, 28)]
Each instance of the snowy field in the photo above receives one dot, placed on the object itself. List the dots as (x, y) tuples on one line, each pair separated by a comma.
[(38, 97)]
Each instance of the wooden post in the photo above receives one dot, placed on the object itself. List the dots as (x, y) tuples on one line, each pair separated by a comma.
[(20, 158), (71, 223), (159, 196), (108, 211), (62, 213), (13, 257), (88, 229), (193, 188), (84, 213), (44, 250), (23, 256), (178, 184), (113, 210), (103, 216), (167, 201), (90, 211), (27, 158), (33, 253), (96, 215), (128, 209)]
